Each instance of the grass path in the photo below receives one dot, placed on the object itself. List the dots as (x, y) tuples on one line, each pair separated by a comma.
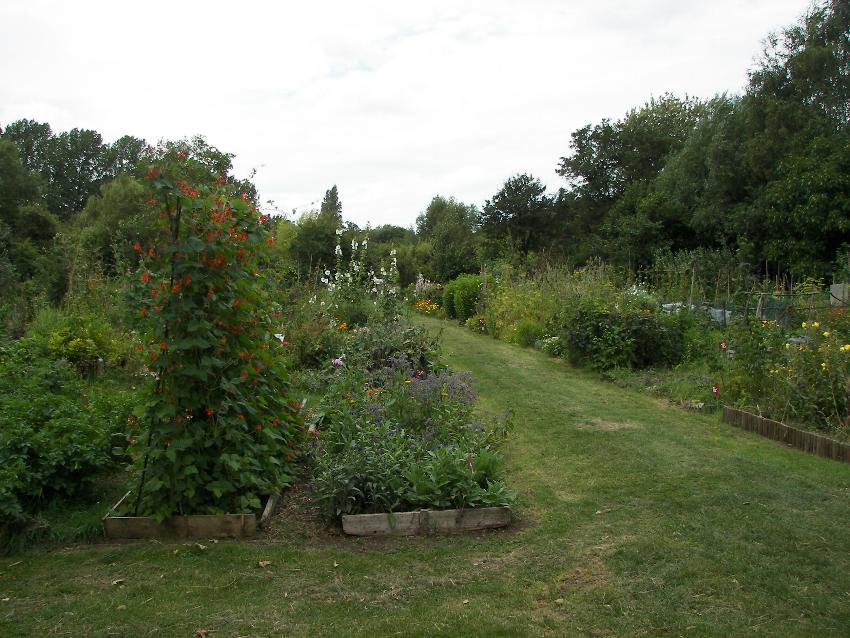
[(636, 519)]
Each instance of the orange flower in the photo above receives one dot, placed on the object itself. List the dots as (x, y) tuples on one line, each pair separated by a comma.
[(137, 247), (163, 346)]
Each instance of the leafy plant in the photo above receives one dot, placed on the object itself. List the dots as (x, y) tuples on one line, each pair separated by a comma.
[(55, 439), (220, 429)]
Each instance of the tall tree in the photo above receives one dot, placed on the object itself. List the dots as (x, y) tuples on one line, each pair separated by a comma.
[(331, 206), (518, 218), (449, 226)]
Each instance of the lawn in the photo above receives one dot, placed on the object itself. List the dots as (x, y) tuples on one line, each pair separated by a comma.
[(635, 519)]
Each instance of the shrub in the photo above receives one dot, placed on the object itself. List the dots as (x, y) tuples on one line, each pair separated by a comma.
[(603, 335), (467, 291), (54, 440), (528, 333), (449, 300), (88, 342)]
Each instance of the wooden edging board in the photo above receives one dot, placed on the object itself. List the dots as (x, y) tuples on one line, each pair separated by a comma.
[(800, 439), (426, 522), (181, 527)]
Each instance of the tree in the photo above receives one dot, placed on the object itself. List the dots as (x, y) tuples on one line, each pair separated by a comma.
[(124, 155), (110, 222), (610, 157), (519, 217), (313, 245), (331, 206), (449, 226)]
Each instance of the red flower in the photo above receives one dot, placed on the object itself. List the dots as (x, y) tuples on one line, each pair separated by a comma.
[(210, 411), (163, 346), (143, 312), (145, 278), (137, 247), (138, 347)]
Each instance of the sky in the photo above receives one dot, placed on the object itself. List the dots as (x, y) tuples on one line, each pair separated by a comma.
[(393, 101)]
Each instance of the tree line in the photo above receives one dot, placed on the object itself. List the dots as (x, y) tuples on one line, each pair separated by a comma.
[(762, 177)]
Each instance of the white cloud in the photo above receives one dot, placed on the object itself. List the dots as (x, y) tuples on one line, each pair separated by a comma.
[(393, 101)]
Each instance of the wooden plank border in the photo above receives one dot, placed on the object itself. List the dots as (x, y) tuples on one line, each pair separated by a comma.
[(181, 527), (426, 522), (800, 439)]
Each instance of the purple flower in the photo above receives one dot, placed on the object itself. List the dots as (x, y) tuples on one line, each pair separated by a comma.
[(337, 362)]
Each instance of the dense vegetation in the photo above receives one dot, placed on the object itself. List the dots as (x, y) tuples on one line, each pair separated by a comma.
[(152, 317)]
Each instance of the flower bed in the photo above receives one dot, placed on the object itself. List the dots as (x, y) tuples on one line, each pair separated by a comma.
[(397, 438)]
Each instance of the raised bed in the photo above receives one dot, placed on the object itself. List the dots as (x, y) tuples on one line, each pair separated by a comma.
[(425, 522), (800, 439), (181, 527), (198, 526)]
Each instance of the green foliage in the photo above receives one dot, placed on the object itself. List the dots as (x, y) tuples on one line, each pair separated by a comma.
[(529, 332), (220, 430), (88, 342), (398, 435), (604, 334), (111, 222), (57, 436), (519, 218), (803, 380), (467, 292), (449, 300), (449, 226)]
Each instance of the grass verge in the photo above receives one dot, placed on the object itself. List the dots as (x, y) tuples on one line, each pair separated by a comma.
[(637, 519)]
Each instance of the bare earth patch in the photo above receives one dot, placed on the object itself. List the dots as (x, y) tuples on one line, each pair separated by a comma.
[(584, 577), (602, 425)]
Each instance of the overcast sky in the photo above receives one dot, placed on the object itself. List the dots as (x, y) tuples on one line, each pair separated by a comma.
[(393, 101)]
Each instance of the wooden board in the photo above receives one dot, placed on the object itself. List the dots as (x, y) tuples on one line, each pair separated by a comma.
[(181, 527), (426, 522), (794, 437)]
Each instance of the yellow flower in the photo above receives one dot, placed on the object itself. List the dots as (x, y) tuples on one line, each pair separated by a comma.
[(826, 333), (815, 325), (805, 325), (407, 380), (823, 365), (787, 346)]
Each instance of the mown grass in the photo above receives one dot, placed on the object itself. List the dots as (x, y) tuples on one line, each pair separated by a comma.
[(636, 519)]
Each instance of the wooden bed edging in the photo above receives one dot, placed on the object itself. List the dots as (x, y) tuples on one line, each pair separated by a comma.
[(181, 527), (426, 522), (800, 439)]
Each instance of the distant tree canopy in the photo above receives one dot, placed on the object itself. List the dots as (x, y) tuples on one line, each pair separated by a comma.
[(762, 179)]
